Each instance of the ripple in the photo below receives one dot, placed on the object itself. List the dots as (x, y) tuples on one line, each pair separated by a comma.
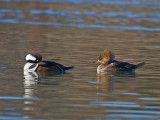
[(128, 59), (3, 67), (75, 18), (18, 98), (129, 93), (132, 116), (149, 4), (152, 107), (149, 98), (137, 28), (147, 16), (9, 21), (16, 118), (9, 108), (114, 104), (63, 12), (12, 113), (134, 111), (96, 82)]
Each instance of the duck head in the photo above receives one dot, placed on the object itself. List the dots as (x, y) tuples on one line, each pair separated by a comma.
[(106, 57), (32, 62), (33, 58)]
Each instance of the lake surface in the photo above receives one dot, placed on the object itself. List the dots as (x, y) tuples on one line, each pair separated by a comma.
[(74, 33)]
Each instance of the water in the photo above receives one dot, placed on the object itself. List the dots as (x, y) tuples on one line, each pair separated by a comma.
[(74, 33)]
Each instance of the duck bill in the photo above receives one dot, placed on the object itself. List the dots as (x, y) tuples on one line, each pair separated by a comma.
[(99, 61)]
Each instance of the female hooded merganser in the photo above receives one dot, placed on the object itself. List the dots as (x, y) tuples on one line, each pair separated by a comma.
[(35, 63), (108, 62)]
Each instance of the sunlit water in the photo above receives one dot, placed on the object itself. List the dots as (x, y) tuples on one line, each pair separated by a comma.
[(74, 33)]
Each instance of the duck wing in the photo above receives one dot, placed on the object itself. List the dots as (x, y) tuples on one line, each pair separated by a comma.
[(124, 66), (53, 64)]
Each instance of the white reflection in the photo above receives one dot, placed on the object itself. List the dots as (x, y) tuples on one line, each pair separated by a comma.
[(30, 80)]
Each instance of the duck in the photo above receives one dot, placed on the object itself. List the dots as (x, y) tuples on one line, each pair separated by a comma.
[(108, 62), (34, 63)]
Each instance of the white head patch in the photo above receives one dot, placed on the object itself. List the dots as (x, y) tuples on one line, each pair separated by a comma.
[(30, 57)]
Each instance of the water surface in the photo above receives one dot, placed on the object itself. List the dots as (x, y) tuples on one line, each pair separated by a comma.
[(74, 33)]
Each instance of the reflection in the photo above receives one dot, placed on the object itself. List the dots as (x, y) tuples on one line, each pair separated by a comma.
[(107, 83), (113, 84), (51, 73), (107, 80), (30, 81), (30, 76), (124, 73)]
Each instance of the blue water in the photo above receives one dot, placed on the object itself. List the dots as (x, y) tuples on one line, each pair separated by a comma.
[(75, 18), (134, 111), (17, 98), (138, 28), (16, 118), (115, 104)]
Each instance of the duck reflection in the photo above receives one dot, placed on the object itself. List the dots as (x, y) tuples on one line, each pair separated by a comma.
[(107, 83), (108, 78), (30, 81), (30, 75)]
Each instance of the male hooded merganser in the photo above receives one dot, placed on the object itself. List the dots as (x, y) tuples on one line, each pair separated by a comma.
[(108, 62), (35, 63)]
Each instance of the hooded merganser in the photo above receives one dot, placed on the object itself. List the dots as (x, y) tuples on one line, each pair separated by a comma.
[(35, 63), (108, 62)]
